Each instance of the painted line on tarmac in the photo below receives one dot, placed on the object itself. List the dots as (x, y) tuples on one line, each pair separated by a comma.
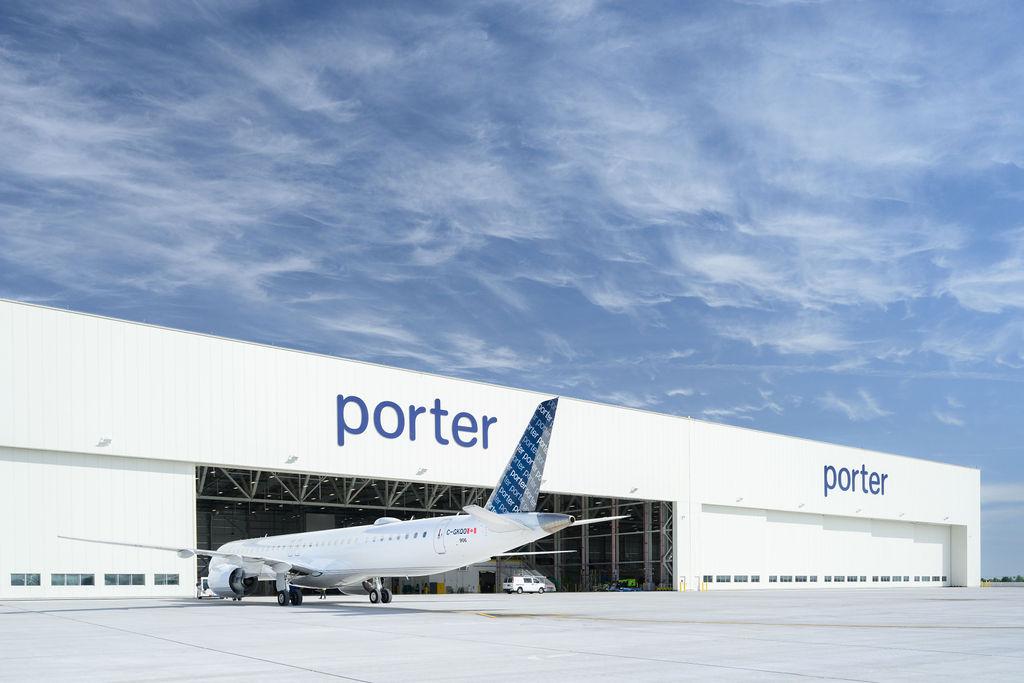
[(734, 623)]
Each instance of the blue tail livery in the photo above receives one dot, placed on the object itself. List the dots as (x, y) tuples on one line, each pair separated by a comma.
[(519, 486)]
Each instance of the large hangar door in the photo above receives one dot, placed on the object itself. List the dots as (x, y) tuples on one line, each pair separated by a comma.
[(932, 547), (764, 548), (735, 540)]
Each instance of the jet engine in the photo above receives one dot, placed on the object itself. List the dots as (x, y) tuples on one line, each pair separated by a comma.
[(230, 581)]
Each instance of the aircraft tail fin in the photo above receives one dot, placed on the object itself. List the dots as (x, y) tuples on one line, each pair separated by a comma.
[(519, 486)]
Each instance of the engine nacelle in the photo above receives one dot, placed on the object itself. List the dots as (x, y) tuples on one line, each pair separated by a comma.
[(230, 581)]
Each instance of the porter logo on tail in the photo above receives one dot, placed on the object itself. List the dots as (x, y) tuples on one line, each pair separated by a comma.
[(519, 486)]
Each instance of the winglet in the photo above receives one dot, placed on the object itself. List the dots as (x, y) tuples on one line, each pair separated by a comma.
[(493, 521)]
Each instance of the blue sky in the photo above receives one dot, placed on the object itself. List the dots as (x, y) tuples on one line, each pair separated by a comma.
[(800, 217)]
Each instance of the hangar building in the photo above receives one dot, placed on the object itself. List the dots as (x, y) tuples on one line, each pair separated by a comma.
[(131, 432)]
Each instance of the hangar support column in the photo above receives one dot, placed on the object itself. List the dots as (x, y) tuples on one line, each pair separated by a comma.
[(585, 544), (648, 568), (615, 541), (558, 547), (667, 545)]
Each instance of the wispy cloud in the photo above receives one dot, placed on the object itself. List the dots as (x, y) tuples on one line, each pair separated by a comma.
[(747, 410), (860, 408), (559, 346), (948, 418), (1004, 492), (994, 286), (802, 334), (629, 398)]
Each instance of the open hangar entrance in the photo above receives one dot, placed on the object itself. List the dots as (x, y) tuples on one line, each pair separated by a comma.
[(234, 503)]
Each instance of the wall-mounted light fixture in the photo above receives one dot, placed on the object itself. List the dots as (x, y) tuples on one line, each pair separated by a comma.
[(421, 471), (291, 459), (103, 443)]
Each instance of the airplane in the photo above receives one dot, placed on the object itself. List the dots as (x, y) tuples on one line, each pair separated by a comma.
[(356, 559)]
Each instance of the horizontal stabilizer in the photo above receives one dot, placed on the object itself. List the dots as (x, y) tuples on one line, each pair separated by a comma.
[(494, 521), (538, 552), (595, 520)]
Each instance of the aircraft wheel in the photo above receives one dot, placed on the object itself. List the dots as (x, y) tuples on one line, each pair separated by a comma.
[(519, 590), (282, 598), (374, 596), (541, 590), (296, 597), (385, 596)]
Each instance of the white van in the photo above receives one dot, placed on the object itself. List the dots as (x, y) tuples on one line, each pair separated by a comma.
[(526, 584)]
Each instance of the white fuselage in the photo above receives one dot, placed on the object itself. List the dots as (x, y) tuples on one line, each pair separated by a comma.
[(351, 555)]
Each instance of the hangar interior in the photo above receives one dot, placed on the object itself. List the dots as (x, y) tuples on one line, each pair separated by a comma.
[(233, 503)]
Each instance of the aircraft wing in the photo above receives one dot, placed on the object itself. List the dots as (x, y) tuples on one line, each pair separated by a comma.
[(277, 565)]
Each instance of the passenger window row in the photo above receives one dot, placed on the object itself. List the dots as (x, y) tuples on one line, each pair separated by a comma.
[(341, 541)]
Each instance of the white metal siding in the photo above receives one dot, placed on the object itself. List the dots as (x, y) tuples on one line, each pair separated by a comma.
[(70, 380)]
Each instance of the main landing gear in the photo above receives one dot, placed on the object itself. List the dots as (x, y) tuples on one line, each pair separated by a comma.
[(290, 596), (287, 595), (378, 593)]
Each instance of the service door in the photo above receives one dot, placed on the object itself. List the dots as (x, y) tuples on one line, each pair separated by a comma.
[(439, 538)]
